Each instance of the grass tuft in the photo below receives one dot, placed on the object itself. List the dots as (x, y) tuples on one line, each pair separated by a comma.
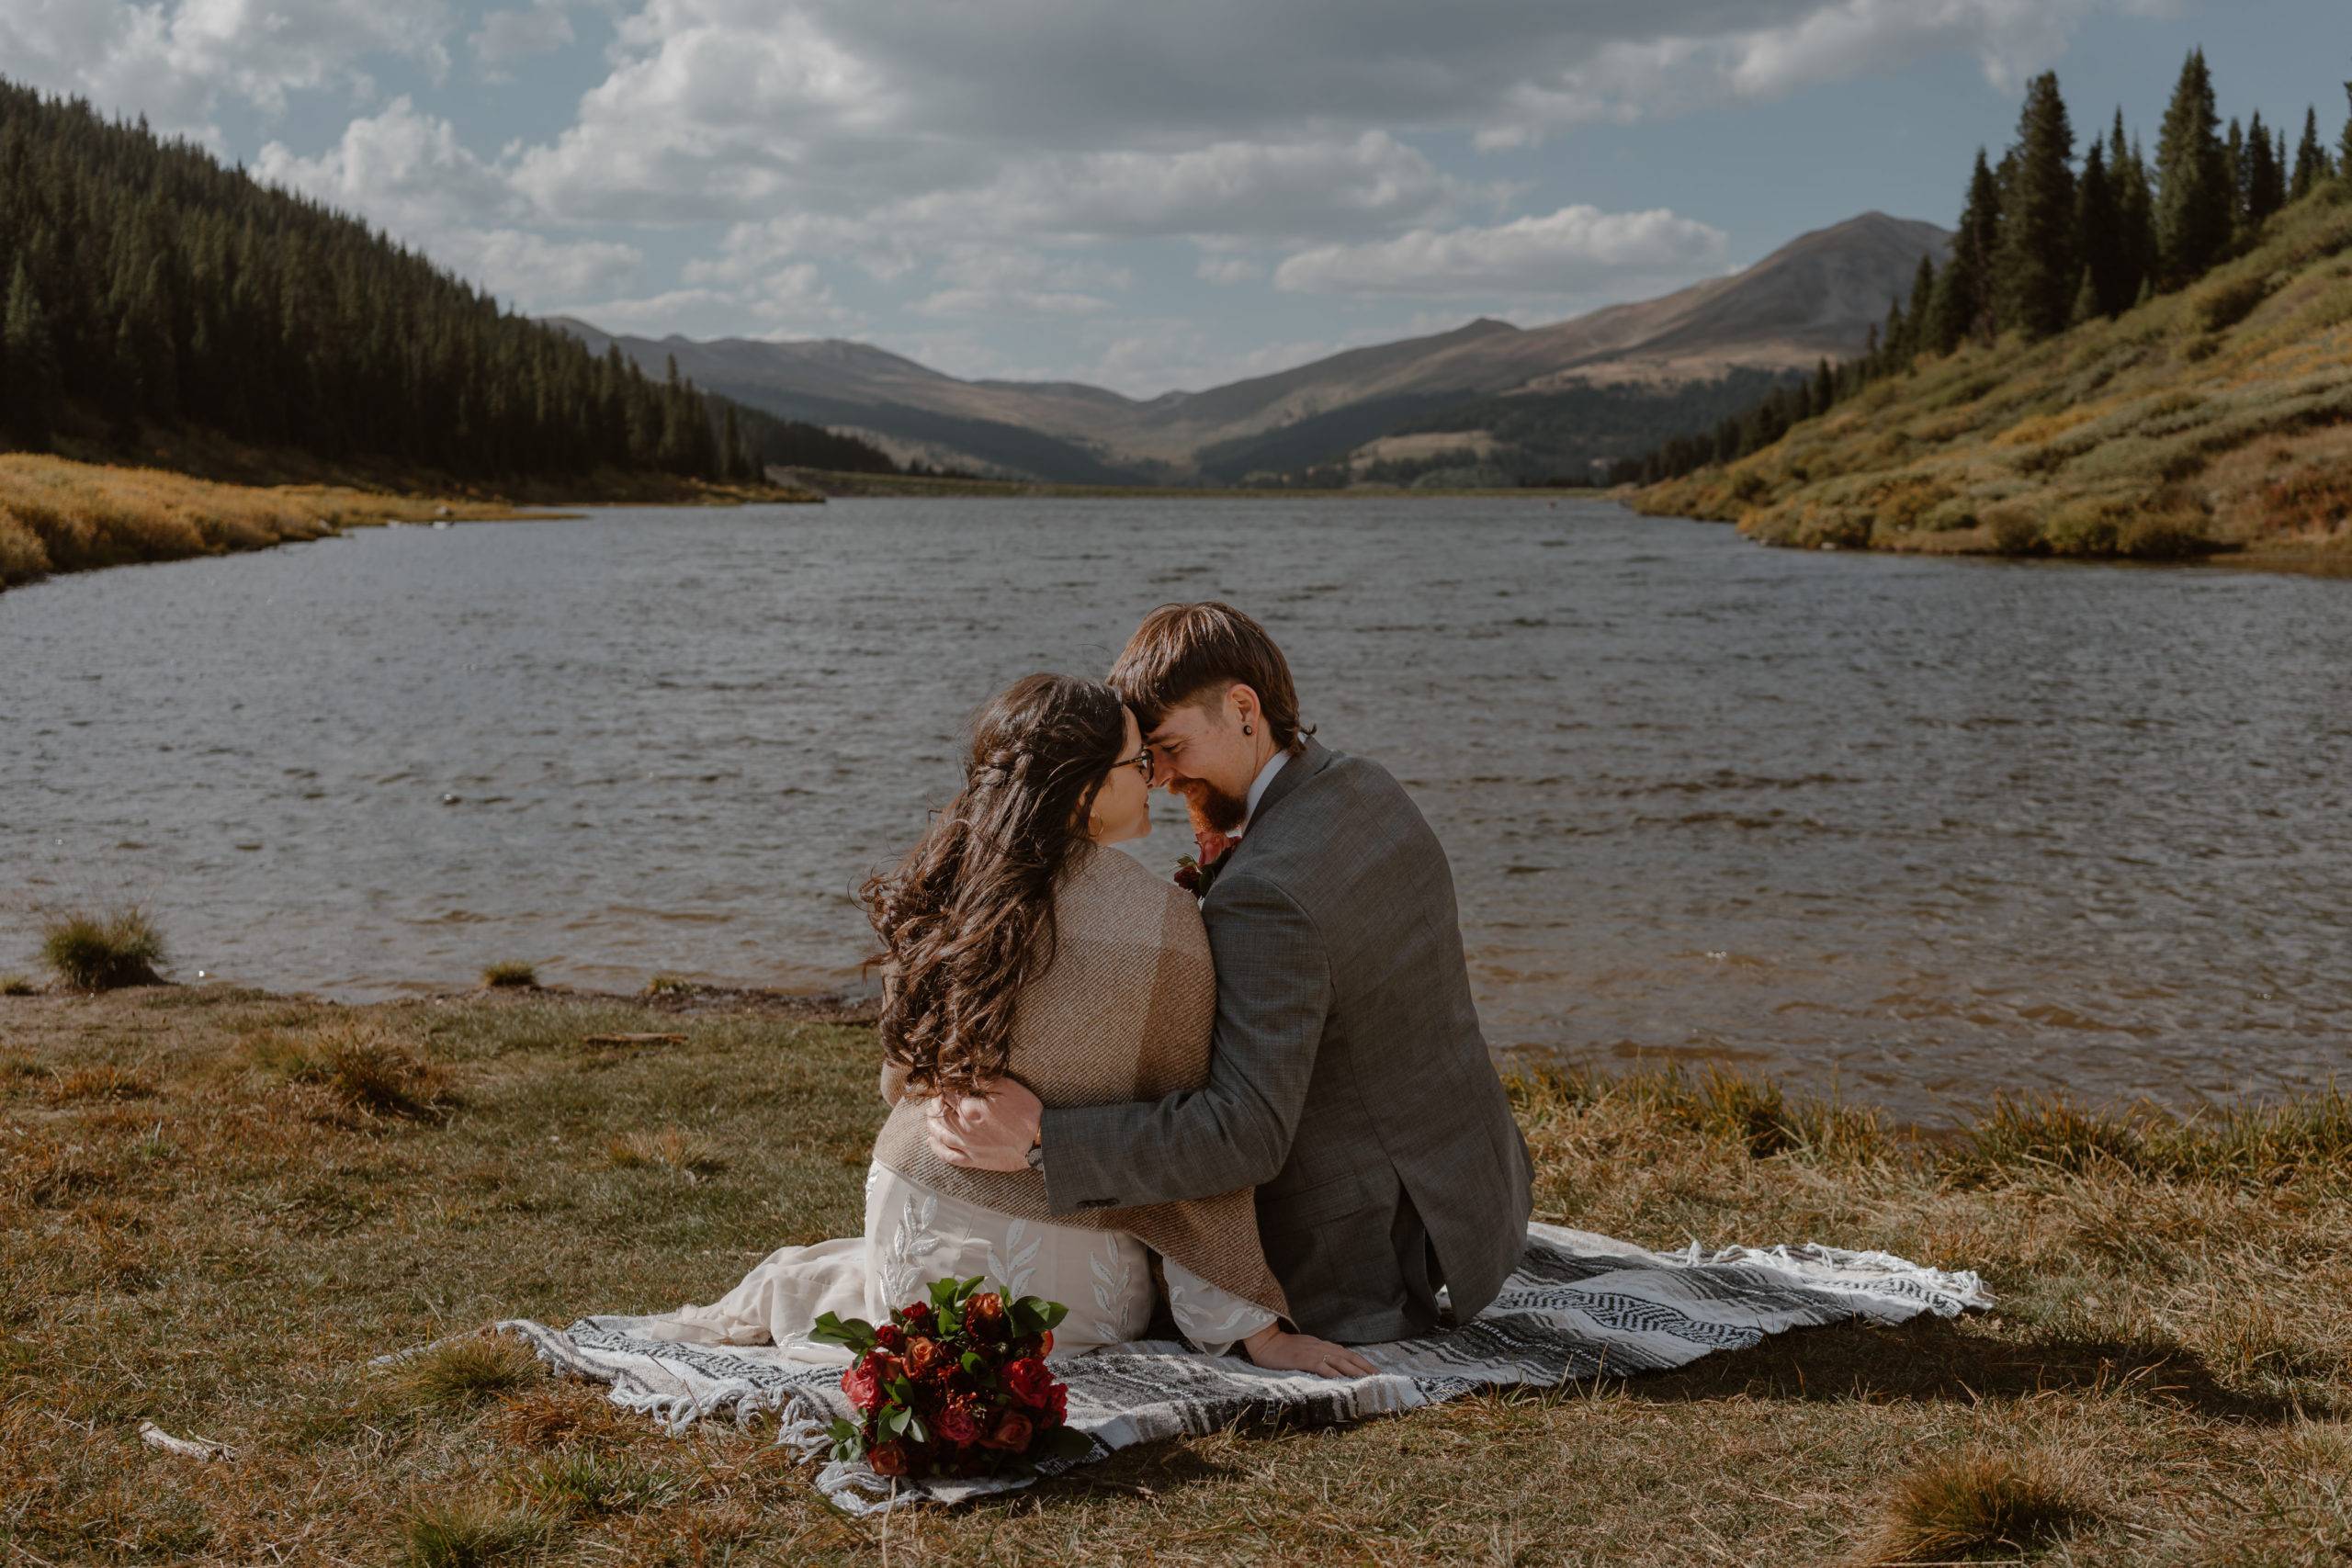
[(103, 1082), (1970, 1504), (17, 986), (669, 986), (519, 975), (473, 1536), (581, 1485), (367, 1069), (672, 1146), (95, 953), (467, 1371)]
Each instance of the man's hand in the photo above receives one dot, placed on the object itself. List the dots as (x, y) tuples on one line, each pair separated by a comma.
[(990, 1131), (1276, 1350)]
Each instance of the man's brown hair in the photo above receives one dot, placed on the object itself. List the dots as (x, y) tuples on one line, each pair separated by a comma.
[(1185, 652)]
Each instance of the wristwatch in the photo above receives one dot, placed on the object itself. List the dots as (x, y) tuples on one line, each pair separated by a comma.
[(1036, 1155)]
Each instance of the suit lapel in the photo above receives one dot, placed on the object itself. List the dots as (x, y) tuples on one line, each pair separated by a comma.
[(1296, 772)]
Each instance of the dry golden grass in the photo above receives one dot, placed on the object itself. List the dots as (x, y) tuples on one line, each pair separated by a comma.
[(2165, 1380), (60, 515), (2219, 418)]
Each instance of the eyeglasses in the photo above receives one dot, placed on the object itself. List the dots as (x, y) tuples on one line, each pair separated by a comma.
[(1140, 762)]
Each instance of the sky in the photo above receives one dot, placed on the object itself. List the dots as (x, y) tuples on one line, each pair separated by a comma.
[(1144, 195)]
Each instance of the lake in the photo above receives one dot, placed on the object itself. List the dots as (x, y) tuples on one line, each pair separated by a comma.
[(1919, 829)]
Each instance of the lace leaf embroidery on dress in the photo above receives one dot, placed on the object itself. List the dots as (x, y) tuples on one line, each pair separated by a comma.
[(1013, 1267), (1114, 1279), (910, 1242)]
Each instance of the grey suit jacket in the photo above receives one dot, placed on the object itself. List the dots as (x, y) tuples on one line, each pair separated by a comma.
[(1350, 1084)]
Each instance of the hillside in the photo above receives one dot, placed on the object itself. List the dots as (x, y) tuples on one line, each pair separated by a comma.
[(2216, 418), (1817, 296), (149, 290)]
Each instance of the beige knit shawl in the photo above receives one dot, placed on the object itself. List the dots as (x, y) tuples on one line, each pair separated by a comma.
[(1126, 1012)]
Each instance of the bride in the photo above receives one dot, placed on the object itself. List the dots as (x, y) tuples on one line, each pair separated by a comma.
[(1019, 944)]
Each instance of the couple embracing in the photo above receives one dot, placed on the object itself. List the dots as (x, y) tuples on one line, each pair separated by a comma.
[(1262, 1100)]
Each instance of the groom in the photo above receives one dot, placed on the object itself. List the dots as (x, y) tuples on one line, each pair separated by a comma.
[(1350, 1084)]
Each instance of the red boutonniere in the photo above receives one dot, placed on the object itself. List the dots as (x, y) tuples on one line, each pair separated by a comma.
[(1195, 875)]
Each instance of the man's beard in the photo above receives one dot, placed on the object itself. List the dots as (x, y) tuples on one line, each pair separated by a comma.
[(1214, 811)]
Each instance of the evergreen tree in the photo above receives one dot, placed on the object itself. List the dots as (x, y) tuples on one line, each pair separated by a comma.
[(2193, 195), (2103, 285), (1824, 388), (1965, 310), (2265, 176), (2233, 172), (1923, 299), (733, 462), (147, 285), (2311, 158), (2344, 153), (2037, 269), (28, 379), (2127, 177)]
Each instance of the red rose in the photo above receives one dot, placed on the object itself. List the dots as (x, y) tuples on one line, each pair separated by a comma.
[(983, 1315), (1188, 877), (890, 1337), (1013, 1432), (1213, 844), (1031, 1383), (890, 1459), (863, 1384), (958, 1421)]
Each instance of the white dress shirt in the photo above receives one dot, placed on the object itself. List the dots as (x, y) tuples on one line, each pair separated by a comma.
[(1257, 790)]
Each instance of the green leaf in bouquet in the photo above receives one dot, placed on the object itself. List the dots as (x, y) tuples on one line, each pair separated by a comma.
[(1035, 1314), (856, 1332), (976, 1365), (849, 1441)]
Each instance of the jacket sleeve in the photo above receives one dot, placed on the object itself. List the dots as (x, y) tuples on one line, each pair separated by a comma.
[(1273, 992)]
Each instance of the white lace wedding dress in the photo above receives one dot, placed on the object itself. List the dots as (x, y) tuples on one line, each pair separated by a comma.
[(914, 1236)]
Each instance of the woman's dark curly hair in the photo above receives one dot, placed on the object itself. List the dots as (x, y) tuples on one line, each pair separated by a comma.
[(968, 919)]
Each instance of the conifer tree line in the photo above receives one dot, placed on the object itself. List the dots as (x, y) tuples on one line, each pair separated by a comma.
[(2047, 240), (144, 282)]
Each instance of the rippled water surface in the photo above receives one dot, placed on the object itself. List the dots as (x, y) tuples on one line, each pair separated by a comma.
[(1925, 827)]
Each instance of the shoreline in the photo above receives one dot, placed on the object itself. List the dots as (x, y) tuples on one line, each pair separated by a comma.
[(59, 516)]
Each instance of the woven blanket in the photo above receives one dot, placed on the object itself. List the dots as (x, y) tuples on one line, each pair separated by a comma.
[(1580, 1305)]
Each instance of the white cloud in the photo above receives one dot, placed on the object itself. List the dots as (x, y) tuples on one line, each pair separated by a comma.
[(174, 60), (537, 273), (406, 170), (1578, 251), (517, 35), (1228, 269), (1679, 71)]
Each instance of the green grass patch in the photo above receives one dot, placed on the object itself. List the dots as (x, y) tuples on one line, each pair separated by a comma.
[(102, 952)]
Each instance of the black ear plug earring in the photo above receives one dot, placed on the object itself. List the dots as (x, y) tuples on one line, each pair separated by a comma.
[(1246, 731)]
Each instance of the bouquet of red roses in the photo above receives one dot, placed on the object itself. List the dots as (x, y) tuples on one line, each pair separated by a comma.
[(957, 1385)]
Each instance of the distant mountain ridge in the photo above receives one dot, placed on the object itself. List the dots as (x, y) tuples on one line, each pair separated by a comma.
[(1817, 297)]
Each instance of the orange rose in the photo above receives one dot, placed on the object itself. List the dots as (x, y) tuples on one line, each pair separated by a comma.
[(983, 1315), (1012, 1432), (924, 1355), (890, 1459)]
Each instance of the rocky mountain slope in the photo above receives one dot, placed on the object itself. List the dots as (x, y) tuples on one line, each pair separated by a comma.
[(1817, 296)]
